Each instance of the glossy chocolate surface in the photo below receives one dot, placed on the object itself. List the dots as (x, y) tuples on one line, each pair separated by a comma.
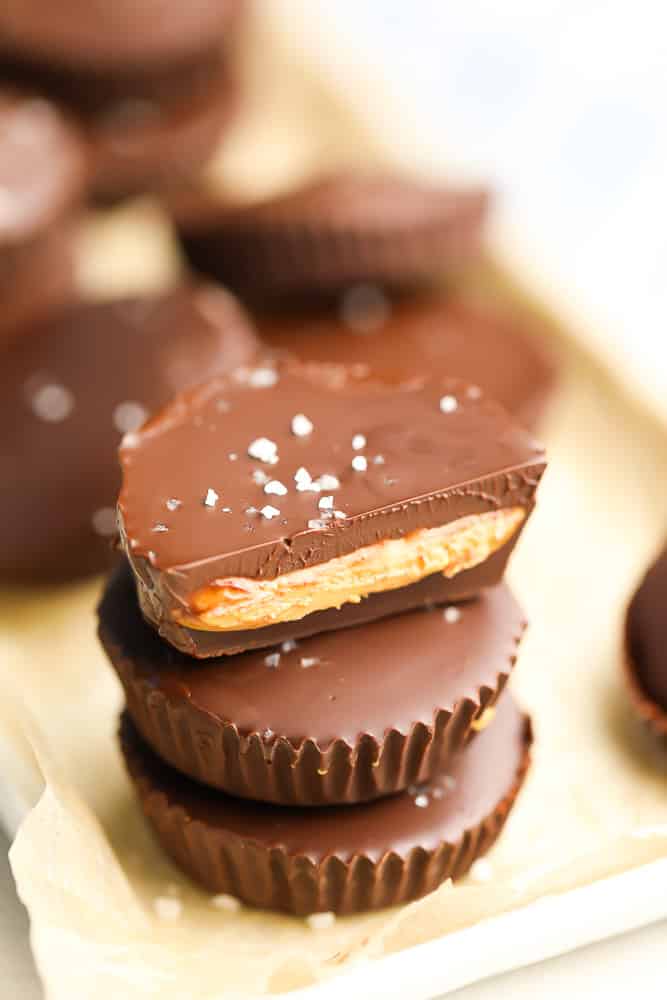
[(647, 633), (343, 685), (43, 166), (71, 384), (403, 337), (425, 468), (335, 230), (479, 778)]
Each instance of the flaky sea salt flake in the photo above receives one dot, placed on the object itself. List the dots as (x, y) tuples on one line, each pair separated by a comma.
[(359, 463), (264, 450), (301, 425), (211, 498), (449, 404), (275, 488)]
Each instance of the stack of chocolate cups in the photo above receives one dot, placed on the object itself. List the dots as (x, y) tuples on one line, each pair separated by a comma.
[(313, 635), (148, 83)]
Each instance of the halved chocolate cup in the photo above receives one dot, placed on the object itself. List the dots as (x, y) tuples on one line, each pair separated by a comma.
[(343, 859), (344, 717)]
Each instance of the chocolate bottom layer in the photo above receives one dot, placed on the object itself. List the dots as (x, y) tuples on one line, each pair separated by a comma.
[(344, 859), (435, 589), (343, 717)]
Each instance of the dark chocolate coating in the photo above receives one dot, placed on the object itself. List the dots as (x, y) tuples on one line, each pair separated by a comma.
[(344, 859), (66, 383), (400, 338), (117, 36), (346, 716), (331, 232), (36, 276), (141, 144), (647, 636), (437, 467), (43, 166)]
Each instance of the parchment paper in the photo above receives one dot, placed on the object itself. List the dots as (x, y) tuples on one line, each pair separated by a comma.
[(595, 802)]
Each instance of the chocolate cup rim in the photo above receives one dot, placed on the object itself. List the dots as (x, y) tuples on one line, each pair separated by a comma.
[(649, 711), (481, 836), (302, 773), (332, 255)]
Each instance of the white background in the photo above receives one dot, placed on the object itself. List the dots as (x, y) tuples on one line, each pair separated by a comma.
[(561, 106)]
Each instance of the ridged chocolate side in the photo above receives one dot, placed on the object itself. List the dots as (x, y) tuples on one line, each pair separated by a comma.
[(378, 708), (310, 241), (399, 854)]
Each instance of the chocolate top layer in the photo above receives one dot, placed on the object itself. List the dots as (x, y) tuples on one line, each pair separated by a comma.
[(338, 685), (476, 782), (42, 165), (335, 230), (647, 632), (431, 334), (434, 452), (71, 384), (113, 35)]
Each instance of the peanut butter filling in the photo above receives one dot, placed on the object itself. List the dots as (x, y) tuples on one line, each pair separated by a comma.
[(235, 603)]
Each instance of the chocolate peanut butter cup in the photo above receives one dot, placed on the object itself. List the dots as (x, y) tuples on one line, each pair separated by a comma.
[(344, 717), (334, 231), (115, 36), (646, 647), (342, 859), (71, 384), (277, 492), (141, 144), (407, 336)]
